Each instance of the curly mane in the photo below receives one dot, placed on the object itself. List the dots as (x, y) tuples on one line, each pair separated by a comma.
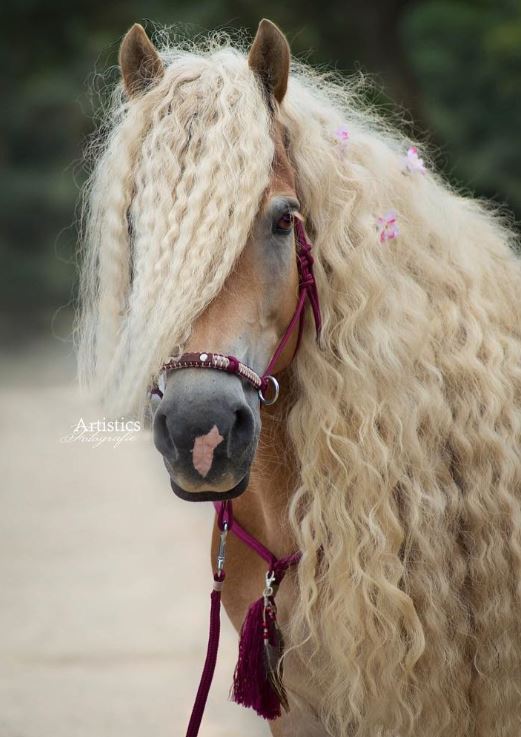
[(407, 420)]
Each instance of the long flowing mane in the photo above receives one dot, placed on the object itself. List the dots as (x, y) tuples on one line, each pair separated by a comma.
[(407, 420)]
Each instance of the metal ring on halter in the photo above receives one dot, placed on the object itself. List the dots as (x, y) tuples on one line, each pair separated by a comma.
[(276, 391)]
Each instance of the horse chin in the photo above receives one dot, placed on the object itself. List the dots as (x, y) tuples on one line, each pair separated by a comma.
[(210, 496)]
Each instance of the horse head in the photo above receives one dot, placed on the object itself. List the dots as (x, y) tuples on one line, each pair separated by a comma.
[(207, 424)]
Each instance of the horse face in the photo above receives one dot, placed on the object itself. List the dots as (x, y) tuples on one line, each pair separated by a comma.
[(208, 423)]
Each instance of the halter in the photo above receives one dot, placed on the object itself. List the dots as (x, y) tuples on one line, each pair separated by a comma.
[(232, 365), (260, 625)]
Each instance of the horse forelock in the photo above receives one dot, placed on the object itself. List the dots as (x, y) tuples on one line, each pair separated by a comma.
[(193, 183)]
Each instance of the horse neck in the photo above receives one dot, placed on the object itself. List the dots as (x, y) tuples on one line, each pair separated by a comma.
[(263, 509)]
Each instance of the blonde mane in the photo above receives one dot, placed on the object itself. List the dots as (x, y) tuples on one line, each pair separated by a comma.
[(407, 422)]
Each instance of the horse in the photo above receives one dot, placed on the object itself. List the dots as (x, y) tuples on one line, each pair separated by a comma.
[(391, 462)]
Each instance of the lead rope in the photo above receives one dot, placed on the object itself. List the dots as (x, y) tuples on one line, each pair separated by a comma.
[(213, 640), (260, 627)]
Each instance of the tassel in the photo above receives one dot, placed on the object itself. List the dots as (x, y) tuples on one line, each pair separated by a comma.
[(257, 681)]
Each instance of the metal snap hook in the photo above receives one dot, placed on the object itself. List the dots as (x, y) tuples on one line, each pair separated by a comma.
[(276, 391), (270, 580), (221, 554)]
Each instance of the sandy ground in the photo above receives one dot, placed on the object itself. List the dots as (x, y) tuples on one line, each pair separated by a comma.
[(104, 576)]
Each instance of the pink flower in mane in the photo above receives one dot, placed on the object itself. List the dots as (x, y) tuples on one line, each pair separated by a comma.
[(413, 163), (387, 226), (342, 134)]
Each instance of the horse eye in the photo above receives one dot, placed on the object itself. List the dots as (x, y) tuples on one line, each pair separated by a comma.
[(285, 223)]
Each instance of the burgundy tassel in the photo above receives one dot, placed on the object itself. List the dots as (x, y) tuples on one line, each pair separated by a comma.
[(257, 682)]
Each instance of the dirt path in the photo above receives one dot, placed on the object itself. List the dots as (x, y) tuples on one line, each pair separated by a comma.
[(104, 577)]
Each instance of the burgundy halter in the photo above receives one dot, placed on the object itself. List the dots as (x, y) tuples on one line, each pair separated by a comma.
[(231, 364), (252, 685)]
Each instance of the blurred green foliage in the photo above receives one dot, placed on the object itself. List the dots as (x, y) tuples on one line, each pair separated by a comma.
[(454, 65)]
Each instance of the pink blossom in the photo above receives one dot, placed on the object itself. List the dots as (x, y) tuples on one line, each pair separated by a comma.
[(413, 163), (342, 134), (387, 226)]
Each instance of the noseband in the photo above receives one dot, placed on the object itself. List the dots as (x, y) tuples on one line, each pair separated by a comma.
[(232, 365)]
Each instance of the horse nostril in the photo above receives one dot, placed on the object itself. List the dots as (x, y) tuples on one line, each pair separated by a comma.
[(242, 429), (241, 417), (162, 437)]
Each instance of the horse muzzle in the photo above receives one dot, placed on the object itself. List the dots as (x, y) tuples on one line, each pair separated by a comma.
[(207, 427)]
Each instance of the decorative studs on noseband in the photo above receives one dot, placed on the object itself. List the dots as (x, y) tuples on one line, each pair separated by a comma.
[(229, 364)]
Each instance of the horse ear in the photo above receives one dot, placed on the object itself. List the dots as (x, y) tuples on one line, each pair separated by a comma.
[(269, 57), (139, 61)]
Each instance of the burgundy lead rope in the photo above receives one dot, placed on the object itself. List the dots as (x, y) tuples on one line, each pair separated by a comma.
[(211, 652), (276, 566), (211, 659)]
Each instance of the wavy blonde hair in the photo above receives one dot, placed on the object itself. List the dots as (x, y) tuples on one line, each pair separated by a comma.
[(407, 421), (184, 165)]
